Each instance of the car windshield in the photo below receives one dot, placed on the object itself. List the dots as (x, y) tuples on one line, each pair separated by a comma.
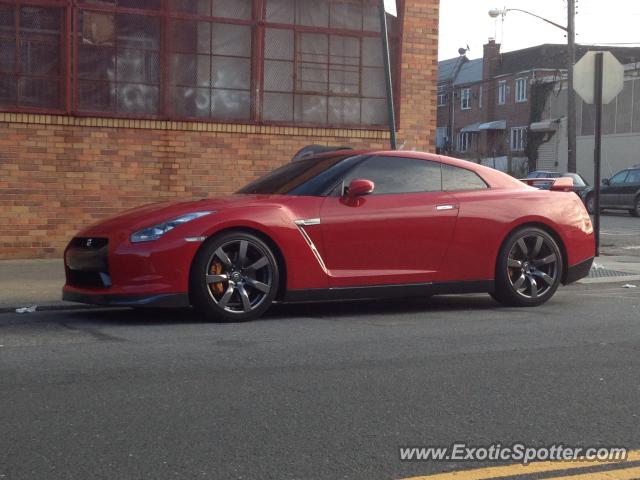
[(311, 176)]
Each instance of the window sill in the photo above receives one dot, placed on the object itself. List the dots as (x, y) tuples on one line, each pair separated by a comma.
[(194, 126)]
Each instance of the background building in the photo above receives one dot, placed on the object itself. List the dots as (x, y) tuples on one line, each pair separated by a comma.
[(508, 110), (112, 104), (620, 129)]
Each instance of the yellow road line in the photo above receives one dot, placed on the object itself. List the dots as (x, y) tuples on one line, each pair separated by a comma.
[(624, 474), (535, 467)]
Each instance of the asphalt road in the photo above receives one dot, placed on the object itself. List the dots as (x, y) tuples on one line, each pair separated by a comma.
[(620, 233), (313, 391)]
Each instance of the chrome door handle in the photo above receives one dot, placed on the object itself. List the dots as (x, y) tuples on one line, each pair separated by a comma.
[(446, 207)]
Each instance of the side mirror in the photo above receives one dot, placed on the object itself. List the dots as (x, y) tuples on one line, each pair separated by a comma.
[(359, 187), (606, 181)]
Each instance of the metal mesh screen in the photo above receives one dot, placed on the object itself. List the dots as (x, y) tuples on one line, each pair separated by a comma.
[(309, 62), (118, 62), (30, 56)]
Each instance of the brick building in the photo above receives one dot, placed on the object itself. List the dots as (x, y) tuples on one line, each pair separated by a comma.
[(106, 105), (495, 110)]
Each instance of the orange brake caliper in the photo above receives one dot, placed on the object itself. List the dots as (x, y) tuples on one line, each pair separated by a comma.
[(216, 269)]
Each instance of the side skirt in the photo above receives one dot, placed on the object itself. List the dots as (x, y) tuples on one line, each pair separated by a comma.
[(388, 291)]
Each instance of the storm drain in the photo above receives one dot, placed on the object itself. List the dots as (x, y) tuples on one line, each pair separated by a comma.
[(606, 273)]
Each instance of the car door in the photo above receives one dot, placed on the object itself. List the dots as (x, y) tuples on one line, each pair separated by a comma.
[(397, 234), (610, 194), (629, 188)]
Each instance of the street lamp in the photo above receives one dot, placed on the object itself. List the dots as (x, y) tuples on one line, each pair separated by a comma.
[(571, 60), (496, 12)]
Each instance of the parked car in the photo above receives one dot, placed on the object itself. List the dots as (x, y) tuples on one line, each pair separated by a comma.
[(334, 226), (579, 183), (620, 192)]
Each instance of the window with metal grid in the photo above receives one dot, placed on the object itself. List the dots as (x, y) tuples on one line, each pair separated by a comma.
[(302, 62), (118, 67), (323, 63), (31, 60)]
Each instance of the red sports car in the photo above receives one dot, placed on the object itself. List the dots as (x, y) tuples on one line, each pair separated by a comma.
[(339, 225)]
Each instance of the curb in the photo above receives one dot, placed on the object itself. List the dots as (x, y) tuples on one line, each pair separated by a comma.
[(620, 279)]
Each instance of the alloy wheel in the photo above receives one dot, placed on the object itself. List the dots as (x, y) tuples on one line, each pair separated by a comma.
[(239, 276), (532, 266)]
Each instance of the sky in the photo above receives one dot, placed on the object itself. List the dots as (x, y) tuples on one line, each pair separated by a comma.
[(466, 22)]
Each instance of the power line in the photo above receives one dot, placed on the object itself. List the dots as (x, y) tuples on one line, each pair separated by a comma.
[(595, 44)]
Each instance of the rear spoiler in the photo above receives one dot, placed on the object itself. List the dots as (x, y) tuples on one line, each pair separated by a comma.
[(561, 184), (315, 149)]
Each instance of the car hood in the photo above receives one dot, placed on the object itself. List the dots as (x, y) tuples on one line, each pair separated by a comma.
[(154, 213)]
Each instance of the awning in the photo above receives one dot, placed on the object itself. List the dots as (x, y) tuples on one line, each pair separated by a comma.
[(495, 125), (550, 125), (474, 127)]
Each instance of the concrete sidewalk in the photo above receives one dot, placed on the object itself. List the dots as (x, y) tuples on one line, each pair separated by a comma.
[(26, 283), (32, 282)]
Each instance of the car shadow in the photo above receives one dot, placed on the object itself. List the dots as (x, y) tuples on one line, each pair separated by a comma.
[(330, 310), (383, 306)]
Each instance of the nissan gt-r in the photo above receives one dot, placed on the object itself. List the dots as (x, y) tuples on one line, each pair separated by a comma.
[(339, 225)]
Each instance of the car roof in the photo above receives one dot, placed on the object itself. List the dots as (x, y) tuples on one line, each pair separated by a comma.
[(495, 178)]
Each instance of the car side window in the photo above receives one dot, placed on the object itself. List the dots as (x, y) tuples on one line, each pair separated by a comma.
[(456, 178), (633, 177), (619, 177), (398, 175)]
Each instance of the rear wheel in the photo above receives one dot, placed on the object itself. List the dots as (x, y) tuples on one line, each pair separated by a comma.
[(234, 277), (528, 268)]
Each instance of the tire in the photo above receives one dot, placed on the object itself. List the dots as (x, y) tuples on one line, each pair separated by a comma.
[(528, 268), (635, 212), (234, 278)]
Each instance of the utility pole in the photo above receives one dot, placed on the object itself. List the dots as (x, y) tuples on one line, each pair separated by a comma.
[(597, 153), (391, 115), (571, 96), (462, 59), (570, 29)]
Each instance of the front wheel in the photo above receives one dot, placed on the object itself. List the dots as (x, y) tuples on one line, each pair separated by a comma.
[(591, 205), (234, 277), (528, 268)]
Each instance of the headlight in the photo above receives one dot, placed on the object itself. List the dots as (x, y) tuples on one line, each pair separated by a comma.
[(156, 231)]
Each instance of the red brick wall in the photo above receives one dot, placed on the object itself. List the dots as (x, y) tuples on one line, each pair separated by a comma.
[(515, 113), (59, 174)]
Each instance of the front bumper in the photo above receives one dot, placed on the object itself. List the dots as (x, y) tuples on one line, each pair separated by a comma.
[(578, 271), (109, 270)]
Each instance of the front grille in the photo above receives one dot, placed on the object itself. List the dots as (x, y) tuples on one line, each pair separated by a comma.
[(89, 243), (87, 263), (78, 278)]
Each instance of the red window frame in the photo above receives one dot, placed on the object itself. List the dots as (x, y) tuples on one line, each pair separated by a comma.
[(63, 73), (71, 10)]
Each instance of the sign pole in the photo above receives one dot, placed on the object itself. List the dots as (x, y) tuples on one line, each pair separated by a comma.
[(391, 116), (598, 147)]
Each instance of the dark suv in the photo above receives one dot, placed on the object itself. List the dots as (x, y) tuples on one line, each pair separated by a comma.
[(620, 192)]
